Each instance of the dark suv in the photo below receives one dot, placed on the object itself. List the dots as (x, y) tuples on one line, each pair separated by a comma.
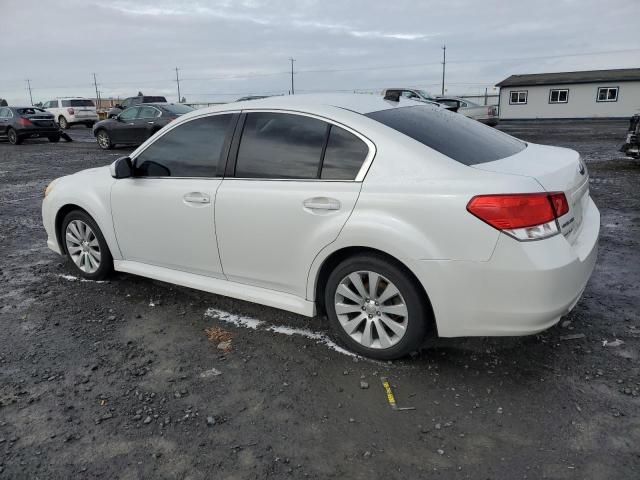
[(131, 101)]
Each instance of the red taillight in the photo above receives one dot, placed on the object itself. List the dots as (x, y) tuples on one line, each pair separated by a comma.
[(525, 216), (71, 111), (24, 122)]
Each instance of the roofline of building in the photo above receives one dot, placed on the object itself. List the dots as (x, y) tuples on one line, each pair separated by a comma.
[(531, 78)]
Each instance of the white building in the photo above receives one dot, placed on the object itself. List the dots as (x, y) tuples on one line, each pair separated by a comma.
[(589, 94)]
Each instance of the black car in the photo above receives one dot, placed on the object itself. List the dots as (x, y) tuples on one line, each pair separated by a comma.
[(132, 102), (20, 123), (135, 124), (632, 146)]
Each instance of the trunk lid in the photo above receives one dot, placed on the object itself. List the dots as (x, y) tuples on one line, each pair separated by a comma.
[(556, 170)]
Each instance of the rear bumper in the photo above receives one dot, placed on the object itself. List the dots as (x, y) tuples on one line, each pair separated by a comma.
[(523, 289), (38, 131), (83, 119)]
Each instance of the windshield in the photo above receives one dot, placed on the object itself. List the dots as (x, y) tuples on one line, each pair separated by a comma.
[(460, 138), (78, 103), (426, 95), (177, 109)]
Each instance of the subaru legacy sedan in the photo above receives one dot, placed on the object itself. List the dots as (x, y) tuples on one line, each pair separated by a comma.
[(398, 220)]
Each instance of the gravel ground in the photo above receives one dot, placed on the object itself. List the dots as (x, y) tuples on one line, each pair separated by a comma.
[(124, 379)]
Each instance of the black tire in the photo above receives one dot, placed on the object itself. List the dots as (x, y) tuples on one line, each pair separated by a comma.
[(104, 140), (63, 123), (13, 137), (54, 138), (106, 260), (418, 319)]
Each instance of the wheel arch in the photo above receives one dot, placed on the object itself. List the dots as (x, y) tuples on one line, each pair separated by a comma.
[(337, 256), (65, 209)]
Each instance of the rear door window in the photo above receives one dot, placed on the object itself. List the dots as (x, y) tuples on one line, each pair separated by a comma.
[(129, 114), (192, 149), (344, 155), (456, 136), (280, 145)]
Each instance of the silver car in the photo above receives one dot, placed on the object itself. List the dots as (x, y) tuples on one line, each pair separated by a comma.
[(487, 114)]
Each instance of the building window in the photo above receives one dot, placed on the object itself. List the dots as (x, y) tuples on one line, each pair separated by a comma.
[(518, 97), (607, 94), (558, 95)]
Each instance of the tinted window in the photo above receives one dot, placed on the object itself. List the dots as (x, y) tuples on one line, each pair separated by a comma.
[(456, 136), (129, 113), (177, 109), (280, 145), (79, 103), (31, 111), (189, 150), (344, 156), (151, 100)]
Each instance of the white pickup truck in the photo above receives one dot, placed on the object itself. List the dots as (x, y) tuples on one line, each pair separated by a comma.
[(487, 114)]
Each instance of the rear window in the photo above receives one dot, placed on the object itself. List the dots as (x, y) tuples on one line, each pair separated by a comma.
[(153, 100), (30, 111), (78, 103), (460, 138), (177, 109)]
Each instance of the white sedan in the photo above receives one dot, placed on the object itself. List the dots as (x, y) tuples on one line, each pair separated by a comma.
[(396, 219)]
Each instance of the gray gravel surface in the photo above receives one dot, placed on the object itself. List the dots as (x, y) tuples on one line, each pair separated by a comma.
[(95, 382)]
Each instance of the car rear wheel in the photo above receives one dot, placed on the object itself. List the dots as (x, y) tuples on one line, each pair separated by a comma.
[(54, 138), (86, 246), (13, 137), (63, 123), (104, 140), (375, 307)]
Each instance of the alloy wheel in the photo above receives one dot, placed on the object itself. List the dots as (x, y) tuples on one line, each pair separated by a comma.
[(103, 139), (371, 310), (13, 137), (83, 246)]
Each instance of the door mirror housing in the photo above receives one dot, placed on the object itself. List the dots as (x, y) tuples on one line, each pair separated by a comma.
[(121, 168)]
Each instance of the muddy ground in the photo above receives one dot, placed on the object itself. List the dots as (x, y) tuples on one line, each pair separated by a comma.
[(120, 380)]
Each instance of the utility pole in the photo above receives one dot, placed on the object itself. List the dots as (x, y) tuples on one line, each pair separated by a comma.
[(178, 82), (95, 84), (291, 59), (29, 87), (444, 63)]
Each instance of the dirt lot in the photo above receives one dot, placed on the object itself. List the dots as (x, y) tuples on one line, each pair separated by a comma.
[(121, 380)]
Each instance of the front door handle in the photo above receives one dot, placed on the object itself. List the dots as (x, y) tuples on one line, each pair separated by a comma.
[(321, 203), (197, 197)]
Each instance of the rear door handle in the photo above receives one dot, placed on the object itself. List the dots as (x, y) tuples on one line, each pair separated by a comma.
[(196, 197), (321, 203)]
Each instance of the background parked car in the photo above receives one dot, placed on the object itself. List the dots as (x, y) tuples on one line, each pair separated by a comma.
[(631, 148), (19, 123), (70, 111), (413, 94), (487, 114), (135, 124), (133, 101), (251, 97)]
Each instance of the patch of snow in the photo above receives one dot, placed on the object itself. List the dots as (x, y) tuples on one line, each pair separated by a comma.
[(237, 320), (213, 372), (71, 278), (151, 304), (253, 323)]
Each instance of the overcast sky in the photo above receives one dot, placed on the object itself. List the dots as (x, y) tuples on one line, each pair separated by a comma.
[(226, 49)]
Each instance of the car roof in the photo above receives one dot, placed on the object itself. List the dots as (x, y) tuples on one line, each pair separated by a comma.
[(356, 102)]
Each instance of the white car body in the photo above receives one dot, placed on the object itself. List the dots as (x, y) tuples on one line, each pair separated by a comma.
[(259, 240), (73, 110)]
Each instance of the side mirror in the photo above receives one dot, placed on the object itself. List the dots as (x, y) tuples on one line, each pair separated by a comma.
[(121, 168)]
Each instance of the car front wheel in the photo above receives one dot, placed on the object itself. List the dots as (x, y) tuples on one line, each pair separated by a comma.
[(86, 246), (375, 307), (63, 123)]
